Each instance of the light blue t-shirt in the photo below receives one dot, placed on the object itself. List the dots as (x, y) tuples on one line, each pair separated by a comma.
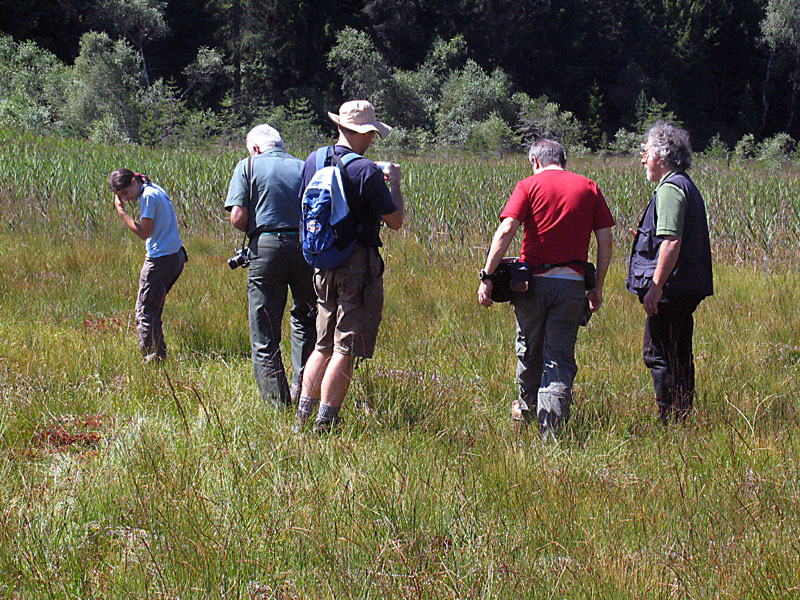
[(154, 203)]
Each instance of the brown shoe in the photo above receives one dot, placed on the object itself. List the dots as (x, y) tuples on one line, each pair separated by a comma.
[(519, 414)]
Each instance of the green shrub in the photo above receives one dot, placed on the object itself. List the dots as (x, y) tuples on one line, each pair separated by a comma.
[(716, 148), (746, 147), (493, 135), (296, 124), (34, 82), (467, 96), (108, 129), (540, 118), (364, 71), (626, 142), (778, 147), (407, 140)]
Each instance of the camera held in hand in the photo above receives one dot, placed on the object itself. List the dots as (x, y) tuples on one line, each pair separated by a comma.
[(241, 259)]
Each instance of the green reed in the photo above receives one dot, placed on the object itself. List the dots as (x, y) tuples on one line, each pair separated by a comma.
[(58, 184)]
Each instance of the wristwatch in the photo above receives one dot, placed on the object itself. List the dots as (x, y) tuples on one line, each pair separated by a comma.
[(484, 276)]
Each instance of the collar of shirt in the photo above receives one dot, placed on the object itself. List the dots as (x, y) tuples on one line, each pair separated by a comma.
[(665, 177), (274, 151)]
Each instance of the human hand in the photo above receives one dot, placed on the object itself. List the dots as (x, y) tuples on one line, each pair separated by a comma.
[(651, 299), (393, 173), (119, 204), (485, 293), (595, 298)]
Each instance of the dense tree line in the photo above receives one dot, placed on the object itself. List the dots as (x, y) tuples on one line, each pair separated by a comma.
[(480, 72)]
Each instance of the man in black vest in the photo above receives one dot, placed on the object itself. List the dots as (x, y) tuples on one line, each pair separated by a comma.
[(670, 268)]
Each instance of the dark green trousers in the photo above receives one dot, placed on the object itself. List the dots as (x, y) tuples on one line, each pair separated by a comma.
[(276, 266)]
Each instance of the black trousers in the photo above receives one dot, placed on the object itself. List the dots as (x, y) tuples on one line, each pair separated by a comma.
[(667, 352)]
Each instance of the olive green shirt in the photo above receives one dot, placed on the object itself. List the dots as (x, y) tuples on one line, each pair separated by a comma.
[(670, 208)]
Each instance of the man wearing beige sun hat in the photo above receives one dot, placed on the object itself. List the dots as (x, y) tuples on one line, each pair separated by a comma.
[(350, 296), (359, 116)]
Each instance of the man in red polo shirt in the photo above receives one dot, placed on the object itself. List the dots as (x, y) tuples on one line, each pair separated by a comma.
[(558, 210)]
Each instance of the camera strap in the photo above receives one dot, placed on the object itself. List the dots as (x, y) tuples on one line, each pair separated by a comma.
[(249, 175), (250, 208)]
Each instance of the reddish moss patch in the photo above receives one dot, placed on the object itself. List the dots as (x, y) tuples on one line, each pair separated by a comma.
[(79, 432)]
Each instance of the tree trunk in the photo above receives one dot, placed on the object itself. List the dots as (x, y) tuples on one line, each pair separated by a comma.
[(795, 82), (764, 99), (144, 67), (237, 55)]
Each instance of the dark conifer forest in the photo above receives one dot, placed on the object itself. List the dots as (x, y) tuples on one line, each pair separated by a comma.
[(473, 73)]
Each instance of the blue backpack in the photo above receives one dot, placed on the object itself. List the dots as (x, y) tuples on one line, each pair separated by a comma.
[(329, 230)]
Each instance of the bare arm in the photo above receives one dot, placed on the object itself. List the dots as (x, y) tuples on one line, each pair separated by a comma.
[(500, 243), (395, 220), (604, 251), (142, 229), (239, 218), (668, 254)]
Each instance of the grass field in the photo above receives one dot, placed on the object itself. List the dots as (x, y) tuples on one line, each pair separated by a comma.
[(121, 480)]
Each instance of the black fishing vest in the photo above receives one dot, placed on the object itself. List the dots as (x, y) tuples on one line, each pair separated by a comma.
[(692, 273)]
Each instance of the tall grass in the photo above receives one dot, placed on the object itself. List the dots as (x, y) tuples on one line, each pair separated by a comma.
[(120, 480), (58, 184)]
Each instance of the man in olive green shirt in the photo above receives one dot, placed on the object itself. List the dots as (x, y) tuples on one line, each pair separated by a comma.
[(670, 207), (670, 268)]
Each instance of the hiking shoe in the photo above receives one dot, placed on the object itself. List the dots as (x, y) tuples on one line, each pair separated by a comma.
[(549, 434), (299, 422), (519, 414), (153, 358), (326, 425)]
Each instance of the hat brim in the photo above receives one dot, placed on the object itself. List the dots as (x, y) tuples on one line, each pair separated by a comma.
[(381, 128)]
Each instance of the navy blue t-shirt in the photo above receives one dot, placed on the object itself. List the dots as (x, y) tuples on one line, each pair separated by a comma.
[(366, 191)]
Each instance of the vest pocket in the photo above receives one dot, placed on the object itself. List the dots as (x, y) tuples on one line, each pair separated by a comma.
[(646, 245)]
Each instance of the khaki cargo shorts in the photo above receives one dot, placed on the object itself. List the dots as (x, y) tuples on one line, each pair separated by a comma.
[(350, 304)]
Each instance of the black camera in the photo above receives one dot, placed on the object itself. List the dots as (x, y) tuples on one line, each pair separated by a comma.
[(241, 259)]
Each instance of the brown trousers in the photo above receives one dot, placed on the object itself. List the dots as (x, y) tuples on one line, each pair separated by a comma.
[(157, 277)]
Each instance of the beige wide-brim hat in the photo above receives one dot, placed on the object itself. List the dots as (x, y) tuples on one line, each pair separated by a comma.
[(359, 115)]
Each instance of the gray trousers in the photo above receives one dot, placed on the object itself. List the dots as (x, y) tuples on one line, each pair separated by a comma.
[(156, 279), (547, 329), (276, 265)]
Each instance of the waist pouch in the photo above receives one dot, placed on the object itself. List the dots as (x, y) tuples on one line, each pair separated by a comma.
[(510, 276), (513, 276)]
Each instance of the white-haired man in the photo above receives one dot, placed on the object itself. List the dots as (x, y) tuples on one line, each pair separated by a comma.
[(263, 202), (350, 296), (670, 268)]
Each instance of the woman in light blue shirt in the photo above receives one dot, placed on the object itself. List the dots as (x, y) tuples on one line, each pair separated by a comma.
[(165, 256)]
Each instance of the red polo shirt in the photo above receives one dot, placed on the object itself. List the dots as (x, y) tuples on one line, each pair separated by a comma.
[(558, 210)]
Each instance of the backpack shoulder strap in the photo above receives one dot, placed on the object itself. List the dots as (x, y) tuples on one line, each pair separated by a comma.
[(343, 162), (350, 157), (321, 155)]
